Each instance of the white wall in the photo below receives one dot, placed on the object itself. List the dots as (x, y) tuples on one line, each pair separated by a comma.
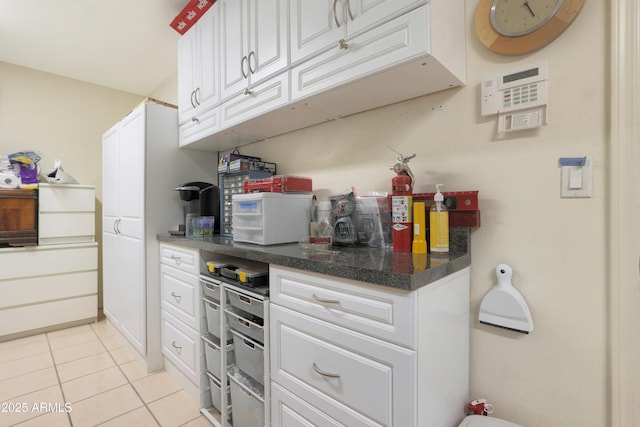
[(556, 376), (60, 118)]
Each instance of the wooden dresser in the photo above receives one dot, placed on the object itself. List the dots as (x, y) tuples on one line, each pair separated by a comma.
[(18, 217)]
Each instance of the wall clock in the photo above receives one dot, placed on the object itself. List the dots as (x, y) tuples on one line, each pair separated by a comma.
[(514, 27)]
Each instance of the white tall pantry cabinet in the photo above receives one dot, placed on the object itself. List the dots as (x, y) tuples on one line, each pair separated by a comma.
[(142, 166)]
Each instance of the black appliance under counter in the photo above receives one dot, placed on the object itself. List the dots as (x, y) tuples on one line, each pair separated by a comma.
[(401, 270)]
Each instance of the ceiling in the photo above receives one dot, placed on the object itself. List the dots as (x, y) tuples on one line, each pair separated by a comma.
[(121, 44)]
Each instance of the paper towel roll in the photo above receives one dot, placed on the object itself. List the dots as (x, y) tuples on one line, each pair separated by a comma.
[(9, 180)]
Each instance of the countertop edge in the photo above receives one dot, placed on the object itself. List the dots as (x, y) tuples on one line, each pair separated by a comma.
[(423, 270)]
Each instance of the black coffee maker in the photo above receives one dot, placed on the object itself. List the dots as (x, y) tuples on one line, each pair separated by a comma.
[(201, 199)]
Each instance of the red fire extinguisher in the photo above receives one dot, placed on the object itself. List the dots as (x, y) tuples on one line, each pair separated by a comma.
[(402, 204)]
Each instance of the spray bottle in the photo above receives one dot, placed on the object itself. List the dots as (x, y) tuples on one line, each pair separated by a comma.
[(402, 204), (439, 225)]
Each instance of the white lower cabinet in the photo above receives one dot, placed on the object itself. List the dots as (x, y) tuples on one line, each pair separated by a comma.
[(357, 379), (335, 361), (182, 319)]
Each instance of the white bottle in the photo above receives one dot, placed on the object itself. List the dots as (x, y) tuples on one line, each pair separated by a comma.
[(439, 225)]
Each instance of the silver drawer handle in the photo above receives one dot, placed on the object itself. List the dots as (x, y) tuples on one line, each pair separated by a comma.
[(325, 301), (177, 347), (177, 259), (177, 297), (324, 374)]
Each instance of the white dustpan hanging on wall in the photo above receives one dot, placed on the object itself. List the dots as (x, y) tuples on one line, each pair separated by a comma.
[(503, 306)]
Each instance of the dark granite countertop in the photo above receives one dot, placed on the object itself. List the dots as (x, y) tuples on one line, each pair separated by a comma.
[(401, 270)]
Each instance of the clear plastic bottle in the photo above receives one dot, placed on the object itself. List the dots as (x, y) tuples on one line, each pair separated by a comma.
[(439, 225)]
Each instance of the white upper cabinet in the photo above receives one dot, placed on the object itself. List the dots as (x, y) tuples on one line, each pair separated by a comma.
[(320, 25), (198, 68), (289, 64), (254, 43)]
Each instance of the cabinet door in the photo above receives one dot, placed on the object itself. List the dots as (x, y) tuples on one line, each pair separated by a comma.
[(198, 68), (111, 272), (370, 13), (267, 33), (187, 80), (110, 201), (131, 174), (110, 167), (315, 27), (393, 43), (355, 378), (207, 93), (233, 44), (123, 226)]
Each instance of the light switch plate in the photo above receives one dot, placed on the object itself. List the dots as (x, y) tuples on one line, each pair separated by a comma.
[(569, 178)]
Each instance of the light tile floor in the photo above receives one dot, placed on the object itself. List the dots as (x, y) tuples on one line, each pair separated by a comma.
[(85, 376)]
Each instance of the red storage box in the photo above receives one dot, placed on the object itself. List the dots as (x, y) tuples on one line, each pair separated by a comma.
[(278, 184), (190, 15)]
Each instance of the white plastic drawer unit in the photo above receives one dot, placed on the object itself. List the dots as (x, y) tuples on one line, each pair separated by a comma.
[(179, 294), (382, 312), (271, 218), (181, 258), (336, 370)]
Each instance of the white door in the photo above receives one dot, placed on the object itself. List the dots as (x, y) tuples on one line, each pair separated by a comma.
[(233, 44), (187, 83), (366, 14), (110, 162), (130, 227), (207, 93), (315, 26), (267, 30)]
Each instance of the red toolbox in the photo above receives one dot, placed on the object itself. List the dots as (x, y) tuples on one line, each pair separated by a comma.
[(278, 184)]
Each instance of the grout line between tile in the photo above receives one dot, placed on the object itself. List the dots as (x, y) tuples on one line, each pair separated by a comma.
[(129, 382), (55, 367)]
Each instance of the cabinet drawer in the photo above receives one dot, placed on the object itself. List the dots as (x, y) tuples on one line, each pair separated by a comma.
[(41, 261), (384, 313), (179, 294), (180, 344), (291, 411), (341, 372), (180, 258), (66, 198), (34, 290), (199, 127)]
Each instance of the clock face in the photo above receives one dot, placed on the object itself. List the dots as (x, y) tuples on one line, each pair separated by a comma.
[(514, 18)]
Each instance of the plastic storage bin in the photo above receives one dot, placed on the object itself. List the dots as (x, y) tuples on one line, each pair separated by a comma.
[(249, 356), (248, 401), (212, 352), (252, 328), (271, 218), (245, 302)]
